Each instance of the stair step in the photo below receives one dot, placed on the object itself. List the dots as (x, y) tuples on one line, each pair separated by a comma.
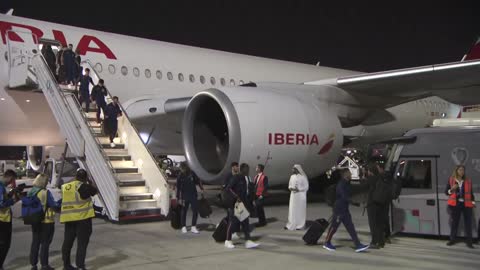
[(106, 140), (117, 164), (129, 177), (135, 196), (137, 189), (131, 183), (126, 214), (117, 146), (119, 158), (135, 204), (125, 170)]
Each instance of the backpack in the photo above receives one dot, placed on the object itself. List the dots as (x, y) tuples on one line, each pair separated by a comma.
[(331, 195), (396, 188), (383, 191), (32, 209)]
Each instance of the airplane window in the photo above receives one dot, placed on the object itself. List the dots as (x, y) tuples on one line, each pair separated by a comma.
[(202, 79), (241, 82), (180, 77), (212, 80), (170, 75), (222, 81), (191, 78), (111, 69), (98, 67), (159, 74), (148, 73), (124, 70), (232, 82), (136, 71)]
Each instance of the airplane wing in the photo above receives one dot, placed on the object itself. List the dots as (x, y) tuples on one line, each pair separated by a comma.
[(457, 82)]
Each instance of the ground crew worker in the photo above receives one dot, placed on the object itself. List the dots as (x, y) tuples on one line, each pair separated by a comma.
[(42, 233), (6, 200), (261, 188), (77, 213), (460, 200)]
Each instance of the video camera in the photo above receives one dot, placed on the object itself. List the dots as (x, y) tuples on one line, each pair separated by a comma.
[(17, 190)]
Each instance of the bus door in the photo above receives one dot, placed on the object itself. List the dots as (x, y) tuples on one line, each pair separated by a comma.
[(416, 210)]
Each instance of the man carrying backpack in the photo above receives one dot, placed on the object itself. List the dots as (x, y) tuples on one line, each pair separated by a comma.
[(77, 213), (382, 195), (43, 230), (6, 200)]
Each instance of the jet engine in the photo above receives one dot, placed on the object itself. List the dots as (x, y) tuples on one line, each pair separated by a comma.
[(259, 126)]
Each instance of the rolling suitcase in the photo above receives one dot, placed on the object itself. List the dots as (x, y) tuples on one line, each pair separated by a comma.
[(315, 231), (204, 209), (175, 217), (220, 233)]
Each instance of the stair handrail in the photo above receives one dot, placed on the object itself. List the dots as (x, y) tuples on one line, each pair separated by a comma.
[(63, 98), (92, 69)]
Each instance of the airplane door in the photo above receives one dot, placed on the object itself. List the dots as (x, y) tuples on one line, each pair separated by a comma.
[(416, 210), (21, 48)]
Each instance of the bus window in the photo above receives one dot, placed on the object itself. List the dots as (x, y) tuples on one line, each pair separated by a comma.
[(415, 174)]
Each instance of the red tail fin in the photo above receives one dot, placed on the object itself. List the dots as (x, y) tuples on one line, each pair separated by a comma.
[(474, 52)]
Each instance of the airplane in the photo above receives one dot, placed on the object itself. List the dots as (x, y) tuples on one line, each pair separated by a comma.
[(216, 107)]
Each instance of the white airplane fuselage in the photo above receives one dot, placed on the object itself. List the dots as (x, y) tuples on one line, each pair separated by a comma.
[(135, 68)]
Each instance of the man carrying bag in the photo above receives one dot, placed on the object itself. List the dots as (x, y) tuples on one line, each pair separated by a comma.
[(237, 213)]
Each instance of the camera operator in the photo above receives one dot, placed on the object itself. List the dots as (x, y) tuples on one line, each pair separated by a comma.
[(6, 200)]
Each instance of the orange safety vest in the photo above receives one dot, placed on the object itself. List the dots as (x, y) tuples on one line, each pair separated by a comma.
[(467, 190), (260, 184)]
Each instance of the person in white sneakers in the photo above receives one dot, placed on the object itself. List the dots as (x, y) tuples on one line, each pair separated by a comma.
[(238, 188), (187, 183)]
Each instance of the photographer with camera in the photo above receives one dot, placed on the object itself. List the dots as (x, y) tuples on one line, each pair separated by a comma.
[(6, 200)]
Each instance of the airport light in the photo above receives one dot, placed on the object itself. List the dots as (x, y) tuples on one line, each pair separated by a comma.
[(28, 100), (2, 99)]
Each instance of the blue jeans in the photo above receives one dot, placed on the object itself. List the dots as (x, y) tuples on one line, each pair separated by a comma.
[(194, 204)]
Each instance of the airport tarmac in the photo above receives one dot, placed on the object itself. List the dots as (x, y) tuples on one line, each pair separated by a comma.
[(157, 246)]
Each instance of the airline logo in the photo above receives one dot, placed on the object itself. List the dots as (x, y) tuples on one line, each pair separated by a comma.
[(86, 43), (300, 139)]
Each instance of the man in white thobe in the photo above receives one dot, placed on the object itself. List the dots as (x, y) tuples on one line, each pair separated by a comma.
[(297, 212)]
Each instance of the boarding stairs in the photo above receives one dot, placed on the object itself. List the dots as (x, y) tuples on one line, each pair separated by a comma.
[(131, 185)]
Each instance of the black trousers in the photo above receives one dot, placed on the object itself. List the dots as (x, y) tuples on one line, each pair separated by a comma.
[(5, 240), (81, 230), (377, 222), (194, 204), (42, 236), (387, 230), (112, 127), (455, 213), (100, 107), (233, 224), (84, 97), (346, 219), (259, 203)]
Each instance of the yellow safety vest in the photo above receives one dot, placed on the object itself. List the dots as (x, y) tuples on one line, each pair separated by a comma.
[(49, 213), (73, 207), (5, 213)]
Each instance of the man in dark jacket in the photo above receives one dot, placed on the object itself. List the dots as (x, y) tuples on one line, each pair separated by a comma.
[(85, 81), (375, 210), (99, 92), (111, 122), (49, 56), (341, 214), (238, 187), (69, 62), (187, 183)]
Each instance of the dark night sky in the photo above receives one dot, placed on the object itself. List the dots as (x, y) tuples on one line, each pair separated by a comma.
[(358, 35)]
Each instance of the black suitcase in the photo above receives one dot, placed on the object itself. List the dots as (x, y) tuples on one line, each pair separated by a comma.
[(220, 233), (204, 209), (315, 231), (176, 217)]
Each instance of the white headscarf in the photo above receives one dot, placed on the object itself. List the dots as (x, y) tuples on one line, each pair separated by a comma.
[(300, 170)]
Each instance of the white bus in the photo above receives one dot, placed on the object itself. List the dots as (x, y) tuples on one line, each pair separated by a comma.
[(423, 160)]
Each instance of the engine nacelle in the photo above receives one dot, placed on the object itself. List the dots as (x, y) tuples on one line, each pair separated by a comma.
[(259, 126)]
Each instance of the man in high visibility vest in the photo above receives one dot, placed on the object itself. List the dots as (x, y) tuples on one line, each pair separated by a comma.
[(77, 213), (6, 200)]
